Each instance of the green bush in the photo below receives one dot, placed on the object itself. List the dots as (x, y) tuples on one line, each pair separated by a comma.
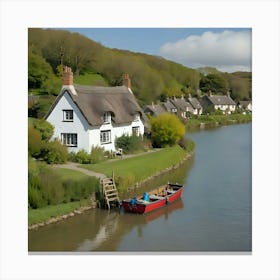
[(77, 190), (54, 152), (123, 182), (35, 143), (130, 144), (82, 157), (166, 130), (45, 128), (51, 187), (35, 196), (97, 155)]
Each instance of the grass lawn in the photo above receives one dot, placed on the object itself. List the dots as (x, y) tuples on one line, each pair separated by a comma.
[(45, 213), (142, 166), (68, 174)]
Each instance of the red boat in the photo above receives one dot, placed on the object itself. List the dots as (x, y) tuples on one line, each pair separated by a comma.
[(154, 199)]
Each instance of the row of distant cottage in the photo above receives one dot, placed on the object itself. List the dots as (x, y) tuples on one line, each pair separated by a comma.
[(88, 116)]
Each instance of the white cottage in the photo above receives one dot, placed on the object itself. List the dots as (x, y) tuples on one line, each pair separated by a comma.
[(88, 116), (219, 102)]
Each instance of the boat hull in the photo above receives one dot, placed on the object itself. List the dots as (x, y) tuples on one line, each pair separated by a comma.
[(142, 207)]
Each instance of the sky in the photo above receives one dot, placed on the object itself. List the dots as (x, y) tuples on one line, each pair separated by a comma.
[(227, 49)]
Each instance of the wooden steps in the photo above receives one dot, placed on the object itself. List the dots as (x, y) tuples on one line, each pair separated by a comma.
[(110, 192)]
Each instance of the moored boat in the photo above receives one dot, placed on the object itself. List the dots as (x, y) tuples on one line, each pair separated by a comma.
[(154, 199)]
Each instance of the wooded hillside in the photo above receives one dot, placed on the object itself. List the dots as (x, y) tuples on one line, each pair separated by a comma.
[(153, 78)]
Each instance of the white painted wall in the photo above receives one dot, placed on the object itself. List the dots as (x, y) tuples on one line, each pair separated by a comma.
[(88, 136), (116, 131), (231, 108), (79, 124)]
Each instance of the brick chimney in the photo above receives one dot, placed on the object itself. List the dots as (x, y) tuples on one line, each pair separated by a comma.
[(67, 77), (126, 80)]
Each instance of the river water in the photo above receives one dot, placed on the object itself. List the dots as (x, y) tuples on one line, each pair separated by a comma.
[(214, 213)]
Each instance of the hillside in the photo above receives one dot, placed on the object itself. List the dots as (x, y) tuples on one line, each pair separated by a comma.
[(152, 77)]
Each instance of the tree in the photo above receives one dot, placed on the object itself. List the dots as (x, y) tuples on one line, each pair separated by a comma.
[(214, 83), (166, 130), (39, 71)]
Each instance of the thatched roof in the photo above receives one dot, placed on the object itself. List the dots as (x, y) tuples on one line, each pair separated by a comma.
[(182, 105), (221, 100), (155, 109), (95, 101), (194, 102)]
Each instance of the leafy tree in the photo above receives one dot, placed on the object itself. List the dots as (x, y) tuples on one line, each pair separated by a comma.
[(214, 83), (39, 71), (166, 130)]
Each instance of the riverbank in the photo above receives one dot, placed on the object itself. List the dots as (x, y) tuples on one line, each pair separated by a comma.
[(210, 121), (55, 213), (146, 167), (131, 172)]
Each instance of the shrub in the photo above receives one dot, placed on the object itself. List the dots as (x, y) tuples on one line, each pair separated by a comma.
[(71, 156), (35, 197), (54, 152), (97, 155), (126, 181), (77, 190), (51, 187), (45, 128), (82, 157), (35, 143), (130, 144), (166, 130)]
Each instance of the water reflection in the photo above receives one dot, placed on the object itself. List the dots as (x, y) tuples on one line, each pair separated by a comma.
[(106, 230)]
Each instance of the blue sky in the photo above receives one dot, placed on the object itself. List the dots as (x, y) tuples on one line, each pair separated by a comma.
[(228, 49)]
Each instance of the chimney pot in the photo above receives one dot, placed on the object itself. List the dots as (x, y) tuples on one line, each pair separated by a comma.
[(67, 76), (126, 80)]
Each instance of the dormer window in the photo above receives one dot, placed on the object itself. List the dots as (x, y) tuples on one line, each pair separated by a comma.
[(68, 115), (137, 117), (107, 117)]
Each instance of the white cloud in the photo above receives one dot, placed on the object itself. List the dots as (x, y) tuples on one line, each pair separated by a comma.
[(228, 51)]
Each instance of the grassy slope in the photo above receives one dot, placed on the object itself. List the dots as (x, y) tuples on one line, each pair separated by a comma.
[(45, 213), (91, 79), (141, 166)]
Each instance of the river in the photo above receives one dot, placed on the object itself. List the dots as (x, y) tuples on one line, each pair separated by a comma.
[(214, 214)]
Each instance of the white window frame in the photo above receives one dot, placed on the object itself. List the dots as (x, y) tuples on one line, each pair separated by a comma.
[(68, 115), (69, 139), (136, 117), (105, 137), (107, 117)]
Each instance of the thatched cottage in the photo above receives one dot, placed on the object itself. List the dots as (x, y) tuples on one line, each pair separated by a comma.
[(87, 116)]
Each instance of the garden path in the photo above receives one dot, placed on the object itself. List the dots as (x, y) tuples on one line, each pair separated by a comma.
[(74, 166)]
